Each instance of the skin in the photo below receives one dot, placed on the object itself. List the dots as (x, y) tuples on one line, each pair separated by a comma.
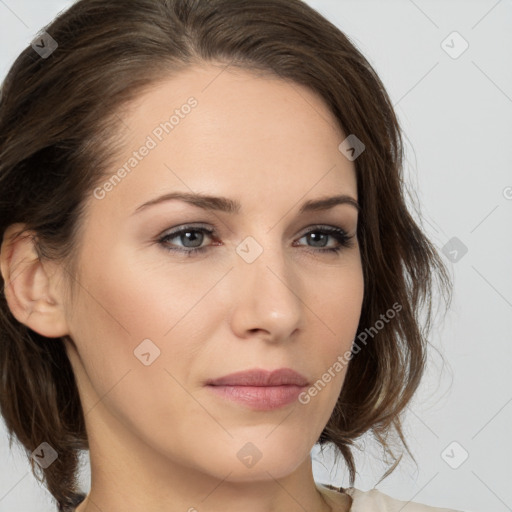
[(159, 439)]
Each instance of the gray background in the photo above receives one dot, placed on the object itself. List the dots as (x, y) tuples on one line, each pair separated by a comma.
[(456, 110)]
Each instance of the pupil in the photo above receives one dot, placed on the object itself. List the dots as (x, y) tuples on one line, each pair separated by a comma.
[(193, 238), (315, 237)]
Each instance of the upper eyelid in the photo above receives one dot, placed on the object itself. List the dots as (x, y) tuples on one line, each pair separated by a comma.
[(343, 237), (192, 227), (212, 232)]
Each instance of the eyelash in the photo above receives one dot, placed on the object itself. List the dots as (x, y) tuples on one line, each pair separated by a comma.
[(339, 234)]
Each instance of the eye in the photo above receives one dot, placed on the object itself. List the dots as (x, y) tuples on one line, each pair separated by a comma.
[(320, 234), (192, 238)]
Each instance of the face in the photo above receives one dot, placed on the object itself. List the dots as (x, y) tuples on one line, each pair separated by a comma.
[(174, 295)]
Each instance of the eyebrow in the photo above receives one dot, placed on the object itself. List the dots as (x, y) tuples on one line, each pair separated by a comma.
[(224, 204)]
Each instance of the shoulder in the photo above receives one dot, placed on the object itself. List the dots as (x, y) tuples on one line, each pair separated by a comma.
[(373, 501)]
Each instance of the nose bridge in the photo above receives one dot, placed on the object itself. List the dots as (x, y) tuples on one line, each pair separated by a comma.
[(267, 297)]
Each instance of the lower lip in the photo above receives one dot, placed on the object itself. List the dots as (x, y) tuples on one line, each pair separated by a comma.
[(261, 398)]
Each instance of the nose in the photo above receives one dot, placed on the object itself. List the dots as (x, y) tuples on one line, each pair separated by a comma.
[(267, 301)]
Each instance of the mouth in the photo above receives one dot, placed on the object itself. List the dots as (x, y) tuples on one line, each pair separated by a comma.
[(258, 389)]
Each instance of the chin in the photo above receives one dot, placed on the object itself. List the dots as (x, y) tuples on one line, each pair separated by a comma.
[(263, 471), (254, 458)]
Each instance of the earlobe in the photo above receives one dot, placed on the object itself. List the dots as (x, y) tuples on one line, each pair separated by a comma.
[(27, 285)]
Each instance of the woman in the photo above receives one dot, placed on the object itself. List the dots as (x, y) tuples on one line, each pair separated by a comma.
[(207, 260)]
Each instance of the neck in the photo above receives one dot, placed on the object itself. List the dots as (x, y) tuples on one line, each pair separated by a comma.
[(126, 473)]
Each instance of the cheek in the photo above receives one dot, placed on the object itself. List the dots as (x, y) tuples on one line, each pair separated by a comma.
[(129, 361), (126, 316), (340, 311), (335, 301), (138, 298)]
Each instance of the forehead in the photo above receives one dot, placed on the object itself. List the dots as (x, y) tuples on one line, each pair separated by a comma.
[(251, 132)]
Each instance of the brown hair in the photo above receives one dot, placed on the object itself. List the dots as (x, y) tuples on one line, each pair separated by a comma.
[(58, 134)]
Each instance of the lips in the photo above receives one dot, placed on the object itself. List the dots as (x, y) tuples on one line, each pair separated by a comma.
[(259, 390), (257, 377)]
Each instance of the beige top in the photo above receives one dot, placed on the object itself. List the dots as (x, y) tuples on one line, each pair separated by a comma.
[(370, 501)]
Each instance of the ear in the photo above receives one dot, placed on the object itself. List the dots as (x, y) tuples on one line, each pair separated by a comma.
[(31, 286)]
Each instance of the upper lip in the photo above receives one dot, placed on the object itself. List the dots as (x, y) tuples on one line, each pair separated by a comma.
[(258, 377)]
